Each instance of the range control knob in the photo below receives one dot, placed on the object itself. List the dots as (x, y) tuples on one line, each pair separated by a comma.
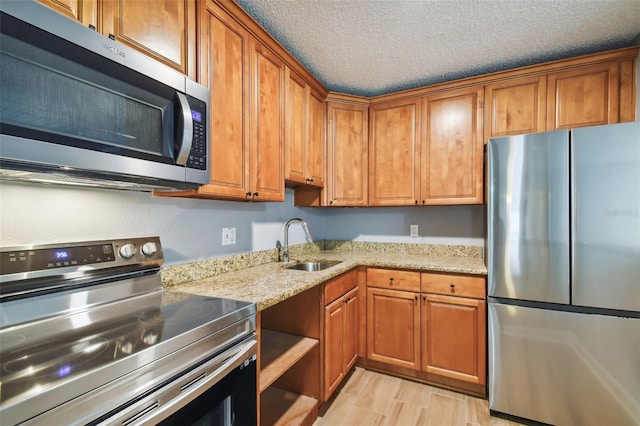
[(149, 249), (127, 251)]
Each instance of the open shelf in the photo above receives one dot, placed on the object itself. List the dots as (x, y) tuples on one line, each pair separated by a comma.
[(281, 407), (279, 352)]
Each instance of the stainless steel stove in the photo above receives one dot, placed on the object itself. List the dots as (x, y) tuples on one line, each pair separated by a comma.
[(88, 336)]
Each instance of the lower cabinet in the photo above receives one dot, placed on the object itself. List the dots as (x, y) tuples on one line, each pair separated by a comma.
[(393, 327), (453, 337), (340, 330), (436, 334)]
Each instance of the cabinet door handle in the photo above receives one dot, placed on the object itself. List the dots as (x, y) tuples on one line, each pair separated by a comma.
[(248, 194), (416, 298), (424, 298), (255, 194), (416, 201), (331, 202)]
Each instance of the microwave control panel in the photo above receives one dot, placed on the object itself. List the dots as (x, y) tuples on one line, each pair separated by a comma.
[(198, 155)]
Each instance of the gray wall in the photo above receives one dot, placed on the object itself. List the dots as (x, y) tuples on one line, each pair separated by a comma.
[(192, 229)]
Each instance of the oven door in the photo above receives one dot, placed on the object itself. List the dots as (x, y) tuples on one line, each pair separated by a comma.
[(221, 392)]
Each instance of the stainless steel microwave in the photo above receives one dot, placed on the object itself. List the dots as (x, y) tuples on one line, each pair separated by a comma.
[(78, 107)]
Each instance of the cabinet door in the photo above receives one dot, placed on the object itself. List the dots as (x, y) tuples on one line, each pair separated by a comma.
[(393, 327), (347, 129), (334, 320), (453, 337), (225, 58), (351, 320), (515, 106), (586, 96), (452, 147), (164, 30), (83, 11), (394, 152), (316, 152), (267, 124), (296, 127)]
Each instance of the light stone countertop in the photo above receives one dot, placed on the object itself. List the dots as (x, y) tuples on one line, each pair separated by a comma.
[(270, 283)]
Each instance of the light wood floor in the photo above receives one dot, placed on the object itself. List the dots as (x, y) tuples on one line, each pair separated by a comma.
[(370, 398)]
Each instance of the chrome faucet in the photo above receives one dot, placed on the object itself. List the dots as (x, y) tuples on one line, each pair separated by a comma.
[(305, 228)]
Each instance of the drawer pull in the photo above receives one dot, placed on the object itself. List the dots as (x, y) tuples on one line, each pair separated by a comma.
[(390, 281)]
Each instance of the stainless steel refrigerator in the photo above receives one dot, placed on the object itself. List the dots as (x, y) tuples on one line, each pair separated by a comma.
[(564, 275)]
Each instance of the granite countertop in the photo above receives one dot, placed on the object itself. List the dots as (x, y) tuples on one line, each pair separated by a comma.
[(270, 283)]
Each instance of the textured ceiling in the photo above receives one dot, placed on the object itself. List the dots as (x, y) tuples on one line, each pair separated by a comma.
[(373, 47)]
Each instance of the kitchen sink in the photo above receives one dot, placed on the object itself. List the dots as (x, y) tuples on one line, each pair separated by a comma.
[(314, 265)]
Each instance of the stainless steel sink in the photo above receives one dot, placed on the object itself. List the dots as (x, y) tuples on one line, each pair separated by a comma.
[(314, 266)]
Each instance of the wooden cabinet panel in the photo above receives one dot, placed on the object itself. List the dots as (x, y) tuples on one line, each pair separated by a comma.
[(453, 285), (304, 135), (393, 327), (394, 153), (341, 322), (515, 106), (316, 151), (267, 124), (83, 11), (296, 127), (226, 43), (351, 334), (334, 319), (164, 30), (453, 337), (340, 286), (347, 177), (393, 279), (585, 96), (452, 147)]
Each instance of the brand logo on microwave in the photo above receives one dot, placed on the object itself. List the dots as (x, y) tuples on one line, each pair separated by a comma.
[(113, 50)]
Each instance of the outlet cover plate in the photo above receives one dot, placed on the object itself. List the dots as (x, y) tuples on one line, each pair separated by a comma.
[(414, 230), (228, 235)]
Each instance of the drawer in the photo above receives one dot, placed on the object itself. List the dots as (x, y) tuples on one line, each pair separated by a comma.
[(454, 285), (339, 286), (393, 279)]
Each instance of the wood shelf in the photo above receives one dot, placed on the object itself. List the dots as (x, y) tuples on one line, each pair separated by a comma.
[(279, 352), (281, 407)]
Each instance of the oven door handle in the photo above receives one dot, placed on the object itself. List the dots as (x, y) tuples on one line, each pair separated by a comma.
[(167, 402)]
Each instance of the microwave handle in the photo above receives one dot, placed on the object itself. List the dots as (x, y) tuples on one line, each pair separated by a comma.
[(187, 130)]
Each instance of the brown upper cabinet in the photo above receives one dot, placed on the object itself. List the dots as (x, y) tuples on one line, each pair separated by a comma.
[(246, 156), (304, 133), (347, 154), (585, 96), (394, 153), (452, 147), (165, 31), (515, 106), (427, 150)]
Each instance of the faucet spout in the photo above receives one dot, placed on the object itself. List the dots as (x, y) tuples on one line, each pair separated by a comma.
[(305, 228)]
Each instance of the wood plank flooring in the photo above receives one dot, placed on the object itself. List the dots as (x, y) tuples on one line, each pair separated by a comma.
[(370, 398)]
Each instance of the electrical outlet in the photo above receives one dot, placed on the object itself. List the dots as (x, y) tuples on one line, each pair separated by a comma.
[(414, 230), (228, 235)]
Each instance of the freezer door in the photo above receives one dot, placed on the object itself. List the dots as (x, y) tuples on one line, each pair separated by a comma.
[(564, 368), (606, 216), (528, 217)]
